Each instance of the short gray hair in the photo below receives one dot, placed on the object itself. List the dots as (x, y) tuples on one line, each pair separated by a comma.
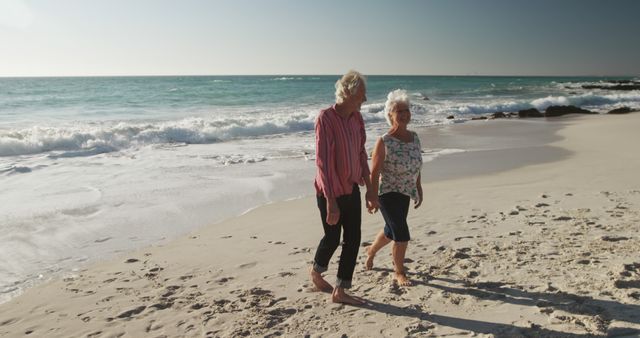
[(395, 97), (349, 84)]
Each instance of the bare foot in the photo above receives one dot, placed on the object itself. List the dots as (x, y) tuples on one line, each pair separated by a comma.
[(402, 279), (339, 296), (319, 282), (369, 263)]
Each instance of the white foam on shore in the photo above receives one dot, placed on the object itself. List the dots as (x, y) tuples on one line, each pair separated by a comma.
[(63, 208), (76, 209), (109, 136), (432, 154)]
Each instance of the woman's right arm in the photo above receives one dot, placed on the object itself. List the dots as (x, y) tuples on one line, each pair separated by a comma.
[(377, 161)]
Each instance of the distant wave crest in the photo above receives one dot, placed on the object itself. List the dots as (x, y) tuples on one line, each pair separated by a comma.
[(287, 78), (587, 100)]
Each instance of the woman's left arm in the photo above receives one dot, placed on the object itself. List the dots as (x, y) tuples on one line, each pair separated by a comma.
[(419, 179), (419, 187)]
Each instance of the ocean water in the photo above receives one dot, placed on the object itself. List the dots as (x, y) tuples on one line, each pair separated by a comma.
[(91, 167)]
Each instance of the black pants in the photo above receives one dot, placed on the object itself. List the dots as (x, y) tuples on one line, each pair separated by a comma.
[(349, 222)]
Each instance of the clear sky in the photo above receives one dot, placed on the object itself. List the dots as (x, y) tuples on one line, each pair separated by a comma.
[(237, 37)]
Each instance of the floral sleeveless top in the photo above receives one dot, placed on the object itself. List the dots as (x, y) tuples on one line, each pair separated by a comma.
[(402, 164)]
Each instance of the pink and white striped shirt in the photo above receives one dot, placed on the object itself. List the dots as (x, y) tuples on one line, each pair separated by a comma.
[(340, 155)]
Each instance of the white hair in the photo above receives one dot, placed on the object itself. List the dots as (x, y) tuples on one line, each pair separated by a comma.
[(349, 84), (395, 97)]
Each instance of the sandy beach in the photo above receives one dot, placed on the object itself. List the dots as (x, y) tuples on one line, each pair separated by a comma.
[(533, 232)]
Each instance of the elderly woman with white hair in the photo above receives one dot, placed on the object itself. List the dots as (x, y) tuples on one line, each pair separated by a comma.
[(341, 162), (395, 176)]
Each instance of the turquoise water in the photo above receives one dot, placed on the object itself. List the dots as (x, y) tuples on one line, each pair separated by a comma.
[(169, 97), (44, 114)]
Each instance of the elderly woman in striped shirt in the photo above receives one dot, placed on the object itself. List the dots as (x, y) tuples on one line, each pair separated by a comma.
[(342, 166), (395, 176)]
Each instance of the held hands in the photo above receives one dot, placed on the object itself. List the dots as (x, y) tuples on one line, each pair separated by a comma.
[(333, 211), (373, 204)]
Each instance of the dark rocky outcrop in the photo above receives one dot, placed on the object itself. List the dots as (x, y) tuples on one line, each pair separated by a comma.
[(634, 86), (479, 118), (498, 115), (553, 111), (623, 110), (450, 117), (621, 81), (530, 113)]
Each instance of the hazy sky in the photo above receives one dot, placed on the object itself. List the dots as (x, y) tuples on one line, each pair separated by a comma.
[(211, 37)]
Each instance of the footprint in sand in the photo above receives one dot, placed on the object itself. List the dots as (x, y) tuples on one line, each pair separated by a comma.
[(153, 326), (634, 267), (299, 251), (132, 312), (247, 265), (9, 321), (614, 238), (107, 299), (418, 328), (223, 280), (462, 253), (463, 237), (627, 284), (186, 277), (171, 290)]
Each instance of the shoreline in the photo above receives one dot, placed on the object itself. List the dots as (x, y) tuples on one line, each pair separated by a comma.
[(249, 272), (462, 135), (467, 136)]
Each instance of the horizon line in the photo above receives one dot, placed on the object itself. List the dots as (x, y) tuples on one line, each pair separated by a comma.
[(236, 75)]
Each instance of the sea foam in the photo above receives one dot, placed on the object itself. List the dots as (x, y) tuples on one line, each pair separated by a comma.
[(109, 136)]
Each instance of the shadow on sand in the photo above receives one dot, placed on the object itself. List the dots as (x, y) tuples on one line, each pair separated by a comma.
[(557, 300)]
